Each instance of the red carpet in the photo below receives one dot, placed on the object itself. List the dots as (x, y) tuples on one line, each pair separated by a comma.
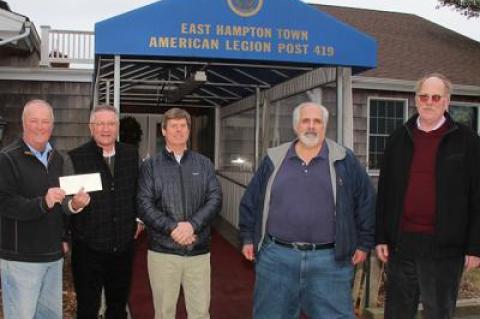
[(232, 283)]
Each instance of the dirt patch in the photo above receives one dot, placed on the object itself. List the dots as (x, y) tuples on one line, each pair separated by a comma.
[(69, 297), (470, 285)]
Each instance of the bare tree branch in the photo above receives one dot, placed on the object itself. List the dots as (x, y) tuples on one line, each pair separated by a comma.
[(468, 8)]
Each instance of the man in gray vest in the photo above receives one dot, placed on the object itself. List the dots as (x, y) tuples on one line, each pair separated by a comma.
[(307, 218)]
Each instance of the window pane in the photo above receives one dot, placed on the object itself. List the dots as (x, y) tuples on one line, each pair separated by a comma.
[(372, 143), (381, 109), (237, 150), (373, 108), (381, 125), (373, 125), (387, 117), (399, 109), (390, 105), (466, 115)]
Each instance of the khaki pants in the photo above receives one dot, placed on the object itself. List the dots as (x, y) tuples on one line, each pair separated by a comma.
[(168, 272)]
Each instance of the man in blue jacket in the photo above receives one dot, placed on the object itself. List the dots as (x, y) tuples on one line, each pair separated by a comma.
[(307, 218)]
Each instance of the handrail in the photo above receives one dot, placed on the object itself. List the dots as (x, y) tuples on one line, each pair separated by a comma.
[(231, 180)]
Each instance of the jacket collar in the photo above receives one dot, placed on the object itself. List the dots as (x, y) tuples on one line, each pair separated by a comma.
[(93, 145), (336, 152), (412, 122), (26, 150), (171, 155)]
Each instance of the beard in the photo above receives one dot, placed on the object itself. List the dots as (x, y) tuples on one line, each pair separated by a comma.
[(309, 139)]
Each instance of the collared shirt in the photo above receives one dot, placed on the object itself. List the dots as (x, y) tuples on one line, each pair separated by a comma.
[(41, 156), (302, 207), (178, 157), (436, 127), (109, 158)]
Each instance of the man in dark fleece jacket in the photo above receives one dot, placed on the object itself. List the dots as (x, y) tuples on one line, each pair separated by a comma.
[(428, 209), (31, 219)]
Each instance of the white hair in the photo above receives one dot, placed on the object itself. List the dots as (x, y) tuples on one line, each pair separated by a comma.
[(30, 103), (298, 109), (103, 108)]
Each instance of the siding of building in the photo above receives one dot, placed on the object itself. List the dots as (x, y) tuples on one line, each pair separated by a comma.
[(70, 101)]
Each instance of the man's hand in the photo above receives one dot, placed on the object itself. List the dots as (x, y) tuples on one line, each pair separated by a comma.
[(359, 257), (183, 234), (80, 200), (54, 195), (248, 253), (140, 228), (382, 252), (471, 262), (65, 247)]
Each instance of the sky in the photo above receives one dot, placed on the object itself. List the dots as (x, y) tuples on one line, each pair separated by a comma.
[(82, 14)]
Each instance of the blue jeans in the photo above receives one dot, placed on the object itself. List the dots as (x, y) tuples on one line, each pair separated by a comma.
[(289, 280), (32, 290)]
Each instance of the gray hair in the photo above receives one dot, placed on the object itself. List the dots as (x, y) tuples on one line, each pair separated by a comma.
[(102, 108), (446, 82), (38, 102), (298, 109), (176, 114)]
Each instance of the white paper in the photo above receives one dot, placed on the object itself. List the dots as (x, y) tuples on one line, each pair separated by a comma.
[(73, 183)]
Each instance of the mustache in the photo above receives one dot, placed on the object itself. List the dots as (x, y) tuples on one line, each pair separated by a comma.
[(310, 134)]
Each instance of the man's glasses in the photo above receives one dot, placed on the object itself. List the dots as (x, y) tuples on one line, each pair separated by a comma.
[(105, 124), (424, 98)]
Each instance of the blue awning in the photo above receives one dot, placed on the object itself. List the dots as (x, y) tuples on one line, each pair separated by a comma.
[(263, 30), (214, 52)]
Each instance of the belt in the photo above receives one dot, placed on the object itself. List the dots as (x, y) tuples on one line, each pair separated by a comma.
[(302, 246)]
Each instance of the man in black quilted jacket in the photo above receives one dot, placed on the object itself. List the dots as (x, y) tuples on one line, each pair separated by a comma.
[(179, 196)]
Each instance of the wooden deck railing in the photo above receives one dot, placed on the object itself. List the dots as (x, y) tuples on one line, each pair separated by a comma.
[(66, 47)]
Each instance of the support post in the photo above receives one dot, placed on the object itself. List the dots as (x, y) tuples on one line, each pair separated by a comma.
[(339, 105)]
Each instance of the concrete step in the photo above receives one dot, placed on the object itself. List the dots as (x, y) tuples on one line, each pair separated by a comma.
[(466, 309)]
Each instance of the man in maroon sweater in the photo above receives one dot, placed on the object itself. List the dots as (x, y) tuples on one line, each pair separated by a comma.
[(428, 206)]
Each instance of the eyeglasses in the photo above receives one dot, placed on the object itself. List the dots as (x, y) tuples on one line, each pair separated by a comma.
[(424, 98), (105, 124)]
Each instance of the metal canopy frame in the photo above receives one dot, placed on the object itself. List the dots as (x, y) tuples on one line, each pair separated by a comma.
[(154, 82)]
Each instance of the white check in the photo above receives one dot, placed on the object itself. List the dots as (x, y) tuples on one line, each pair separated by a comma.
[(73, 183)]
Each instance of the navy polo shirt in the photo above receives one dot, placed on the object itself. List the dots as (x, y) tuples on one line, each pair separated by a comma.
[(302, 208)]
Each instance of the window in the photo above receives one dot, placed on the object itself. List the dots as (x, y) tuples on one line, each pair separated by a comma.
[(384, 116), (466, 114), (237, 143)]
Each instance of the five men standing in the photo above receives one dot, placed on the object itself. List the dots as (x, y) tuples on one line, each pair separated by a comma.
[(428, 211), (179, 196), (306, 218)]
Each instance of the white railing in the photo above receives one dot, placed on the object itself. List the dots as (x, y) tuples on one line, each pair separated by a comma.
[(232, 194), (66, 47)]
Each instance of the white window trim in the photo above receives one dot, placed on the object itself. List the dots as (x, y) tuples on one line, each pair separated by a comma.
[(376, 172)]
